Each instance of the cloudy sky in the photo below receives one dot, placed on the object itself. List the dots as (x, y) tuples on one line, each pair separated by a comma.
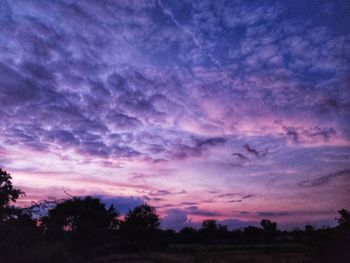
[(231, 110)]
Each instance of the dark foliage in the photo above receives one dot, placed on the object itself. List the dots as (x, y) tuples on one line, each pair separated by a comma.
[(344, 218), (330, 245), (7, 194), (188, 235), (21, 239), (83, 223), (270, 229), (253, 235), (142, 218), (212, 232), (140, 229)]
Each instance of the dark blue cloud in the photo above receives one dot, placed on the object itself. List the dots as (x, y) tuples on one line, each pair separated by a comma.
[(238, 224), (195, 210), (122, 203), (272, 214), (238, 197), (63, 137), (175, 219), (326, 179), (178, 219)]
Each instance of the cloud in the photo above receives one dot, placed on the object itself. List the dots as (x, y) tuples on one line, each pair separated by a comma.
[(189, 203), (205, 213), (312, 134), (177, 219), (195, 210), (241, 159), (240, 156), (174, 219), (122, 203), (158, 193), (238, 197), (168, 89), (237, 224), (326, 179), (272, 214), (254, 152), (211, 142), (244, 213), (196, 147), (123, 122), (63, 137)]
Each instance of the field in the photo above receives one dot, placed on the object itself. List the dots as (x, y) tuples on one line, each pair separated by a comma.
[(214, 254)]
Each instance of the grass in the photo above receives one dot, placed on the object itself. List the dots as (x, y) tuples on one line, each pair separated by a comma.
[(214, 254)]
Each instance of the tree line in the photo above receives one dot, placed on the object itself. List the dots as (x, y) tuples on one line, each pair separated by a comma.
[(83, 227)]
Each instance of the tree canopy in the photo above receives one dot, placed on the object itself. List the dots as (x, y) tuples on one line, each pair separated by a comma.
[(143, 218), (78, 214), (268, 226), (344, 218), (8, 194)]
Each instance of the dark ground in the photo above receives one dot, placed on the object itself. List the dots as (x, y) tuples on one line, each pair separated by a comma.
[(215, 254)]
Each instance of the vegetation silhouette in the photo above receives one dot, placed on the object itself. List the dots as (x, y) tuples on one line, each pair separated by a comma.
[(7, 194), (344, 218), (79, 229), (212, 232), (270, 229), (84, 222), (140, 229), (17, 228)]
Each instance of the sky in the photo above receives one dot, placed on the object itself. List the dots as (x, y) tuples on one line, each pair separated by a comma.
[(227, 110)]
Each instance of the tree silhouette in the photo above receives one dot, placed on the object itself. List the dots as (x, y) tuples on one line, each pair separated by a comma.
[(86, 221), (188, 235), (332, 244), (253, 234), (18, 231), (213, 232), (309, 229), (270, 229), (142, 218), (344, 217), (268, 226), (7, 194), (208, 232), (141, 228), (78, 214), (209, 225)]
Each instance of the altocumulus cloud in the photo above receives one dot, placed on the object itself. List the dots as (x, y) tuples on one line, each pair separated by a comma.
[(204, 93)]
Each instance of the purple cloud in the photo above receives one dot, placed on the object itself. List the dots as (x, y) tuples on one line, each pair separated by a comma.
[(326, 179), (122, 203), (172, 90)]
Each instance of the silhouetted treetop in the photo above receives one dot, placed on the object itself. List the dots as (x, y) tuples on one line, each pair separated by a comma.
[(268, 226), (309, 229), (270, 229), (344, 217), (209, 225), (142, 217), (7, 194), (79, 214)]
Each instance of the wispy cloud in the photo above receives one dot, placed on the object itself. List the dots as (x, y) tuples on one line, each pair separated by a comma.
[(326, 179)]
